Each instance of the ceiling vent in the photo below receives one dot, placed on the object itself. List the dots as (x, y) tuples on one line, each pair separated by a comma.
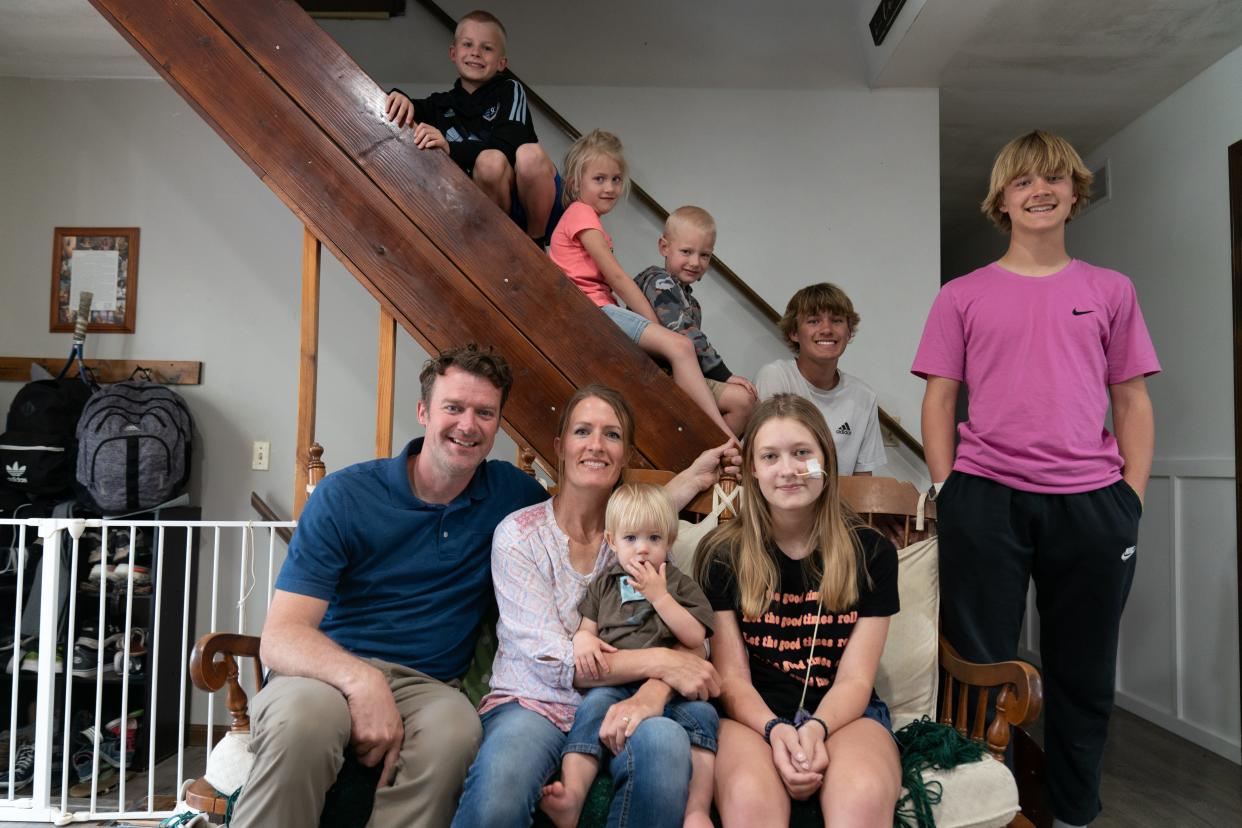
[(885, 13), (354, 9)]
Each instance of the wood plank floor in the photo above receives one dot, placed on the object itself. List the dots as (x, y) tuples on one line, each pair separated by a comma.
[(1154, 778), (1151, 778)]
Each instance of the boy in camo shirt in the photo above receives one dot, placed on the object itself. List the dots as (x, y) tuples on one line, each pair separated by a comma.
[(686, 245)]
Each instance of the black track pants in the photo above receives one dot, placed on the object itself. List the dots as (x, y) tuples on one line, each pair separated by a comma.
[(1079, 548)]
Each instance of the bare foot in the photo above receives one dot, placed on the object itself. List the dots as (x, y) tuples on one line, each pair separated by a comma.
[(561, 806), (698, 819)]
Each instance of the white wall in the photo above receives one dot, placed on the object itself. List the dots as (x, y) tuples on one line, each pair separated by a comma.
[(1167, 227)]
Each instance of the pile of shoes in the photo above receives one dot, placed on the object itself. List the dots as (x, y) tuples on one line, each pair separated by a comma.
[(109, 754), (126, 559), (87, 658), (108, 764)]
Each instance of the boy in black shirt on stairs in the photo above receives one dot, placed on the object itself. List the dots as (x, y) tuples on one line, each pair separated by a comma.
[(484, 124)]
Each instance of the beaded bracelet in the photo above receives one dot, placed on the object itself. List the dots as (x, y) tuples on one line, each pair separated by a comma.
[(822, 724), (767, 729)]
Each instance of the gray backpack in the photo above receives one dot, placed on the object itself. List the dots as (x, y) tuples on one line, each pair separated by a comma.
[(133, 447)]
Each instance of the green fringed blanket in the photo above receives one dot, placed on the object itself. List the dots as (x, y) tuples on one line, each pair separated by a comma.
[(925, 745)]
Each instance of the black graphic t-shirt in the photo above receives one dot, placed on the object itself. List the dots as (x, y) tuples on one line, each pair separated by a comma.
[(779, 640)]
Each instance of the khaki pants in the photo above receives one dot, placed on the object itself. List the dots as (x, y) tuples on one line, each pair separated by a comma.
[(300, 730)]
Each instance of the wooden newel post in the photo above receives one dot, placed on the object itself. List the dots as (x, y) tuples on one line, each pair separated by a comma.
[(728, 483), (526, 460), (315, 468), (308, 368)]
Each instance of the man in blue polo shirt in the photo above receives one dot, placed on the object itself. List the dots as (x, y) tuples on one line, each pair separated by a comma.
[(376, 612)]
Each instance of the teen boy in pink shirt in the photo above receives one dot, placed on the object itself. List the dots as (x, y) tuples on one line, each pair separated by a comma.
[(1038, 487)]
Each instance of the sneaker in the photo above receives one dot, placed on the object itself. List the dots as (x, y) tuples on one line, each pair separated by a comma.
[(25, 735), (110, 751), (108, 778), (110, 747), (123, 551), (91, 584), (137, 650), (23, 769), (30, 661), (112, 730), (86, 649), (120, 574)]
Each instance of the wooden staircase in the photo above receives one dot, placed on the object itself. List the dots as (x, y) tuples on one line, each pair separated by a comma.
[(412, 228)]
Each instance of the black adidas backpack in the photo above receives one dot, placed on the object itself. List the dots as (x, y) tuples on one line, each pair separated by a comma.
[(133, 447), (37, 448)]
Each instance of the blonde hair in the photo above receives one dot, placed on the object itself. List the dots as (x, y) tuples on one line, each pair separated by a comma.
[(1040, 153), (481, 16), (689, 216), (586, 149), (640, 506), (813, 299), (743, 544)]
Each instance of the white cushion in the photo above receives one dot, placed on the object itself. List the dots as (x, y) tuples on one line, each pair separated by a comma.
[(975, 795), (690, 534), (229, 763), (908, 672)]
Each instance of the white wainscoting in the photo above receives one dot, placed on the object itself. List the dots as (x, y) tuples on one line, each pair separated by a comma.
[(1178, 656)]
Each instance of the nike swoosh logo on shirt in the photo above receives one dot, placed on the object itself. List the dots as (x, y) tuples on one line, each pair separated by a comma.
[(1077, 312)]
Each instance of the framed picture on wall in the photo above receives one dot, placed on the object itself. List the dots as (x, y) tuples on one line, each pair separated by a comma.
[(103, 260)]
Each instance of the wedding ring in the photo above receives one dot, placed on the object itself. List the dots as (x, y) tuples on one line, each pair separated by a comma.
[(625, 719)]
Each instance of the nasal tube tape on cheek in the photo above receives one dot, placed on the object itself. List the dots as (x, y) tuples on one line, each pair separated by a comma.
[(812, 469)]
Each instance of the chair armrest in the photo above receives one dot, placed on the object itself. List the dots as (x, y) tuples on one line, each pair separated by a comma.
[(210, 673), (1019, 702)]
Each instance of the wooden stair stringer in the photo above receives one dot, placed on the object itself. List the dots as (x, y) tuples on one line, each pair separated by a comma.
[(408, 224)]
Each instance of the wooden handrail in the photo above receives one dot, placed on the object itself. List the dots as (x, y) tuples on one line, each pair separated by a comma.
[(268, 513), (730, 275)]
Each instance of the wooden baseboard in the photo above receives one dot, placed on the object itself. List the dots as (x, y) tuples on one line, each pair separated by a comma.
[(196, 734)]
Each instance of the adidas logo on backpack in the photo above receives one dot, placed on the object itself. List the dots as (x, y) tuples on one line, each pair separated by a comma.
[(16, 473)]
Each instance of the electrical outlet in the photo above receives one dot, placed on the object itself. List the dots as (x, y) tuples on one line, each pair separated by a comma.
[(260, 457)]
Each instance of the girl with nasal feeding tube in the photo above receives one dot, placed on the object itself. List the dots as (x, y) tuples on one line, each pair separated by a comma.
[(543, 560), (595, 179), (803, 593)]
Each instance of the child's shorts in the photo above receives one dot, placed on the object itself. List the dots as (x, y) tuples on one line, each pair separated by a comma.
[(877, 711), (698, 718), (632, 323), (717, 388), (517, 211)]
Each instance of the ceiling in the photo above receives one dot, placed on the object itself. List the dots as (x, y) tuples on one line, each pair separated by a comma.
[(1081, 68)]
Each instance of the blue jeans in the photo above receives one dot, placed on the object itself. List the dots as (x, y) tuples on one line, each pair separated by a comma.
[(699, 719), (521, 751)]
